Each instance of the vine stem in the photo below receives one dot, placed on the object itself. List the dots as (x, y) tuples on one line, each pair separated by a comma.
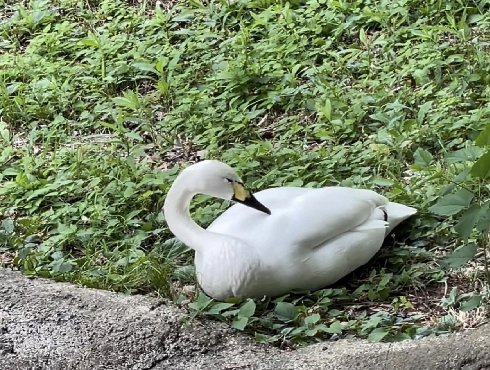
[(485, 258)]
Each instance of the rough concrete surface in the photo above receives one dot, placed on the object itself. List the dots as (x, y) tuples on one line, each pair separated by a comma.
[(47, 325)]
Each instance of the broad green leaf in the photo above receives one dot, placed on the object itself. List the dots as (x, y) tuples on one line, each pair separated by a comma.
[(483, 223), (377, 334), (240, 323), (163, 86), (66, 229), (460, 256), (312, 319), (315, 329), (475, 18), (458, 179), (396, 105), (184, 17), (471, 153), (24, 252), (247, 309), (147, 67), (133, 135), (230, 313), (22, 179), (89, 42), (57, 255), (128, 192), (398, 337), (296, 68), (7, 226), (197, 4), (470, 304), (482, 166), (109, 125), (484, 138), (10, 172), (114, 277), (451, 299), (263, 338), (218, 307), (173, 243), (286, 311), (334, 312), (424, 108), (363, 38), (38, 15), (451, 204), (334, 328), (385, 280), (124, 102), (323, 134), (383, 182), (467, 221), (201, 303), (65, 267), (422, 157), (327, 109), (12, 88), (133, 214)]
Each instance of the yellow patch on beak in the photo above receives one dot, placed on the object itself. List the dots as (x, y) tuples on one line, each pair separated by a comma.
[(239, 192)]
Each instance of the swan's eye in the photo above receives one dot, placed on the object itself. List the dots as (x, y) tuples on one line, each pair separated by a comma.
[(228, 180)]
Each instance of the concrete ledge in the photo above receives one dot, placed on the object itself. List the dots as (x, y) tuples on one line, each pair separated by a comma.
[(46, 325)]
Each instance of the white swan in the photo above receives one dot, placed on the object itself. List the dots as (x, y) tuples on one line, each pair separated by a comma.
[(304, 239)]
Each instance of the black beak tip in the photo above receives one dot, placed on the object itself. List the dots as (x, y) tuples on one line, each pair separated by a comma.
[(267, 210), (252, 202)]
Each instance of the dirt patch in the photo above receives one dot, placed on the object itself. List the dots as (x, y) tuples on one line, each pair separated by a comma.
[(150, 5)]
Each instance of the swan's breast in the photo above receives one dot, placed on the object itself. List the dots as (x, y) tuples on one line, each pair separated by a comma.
[(227, 271)]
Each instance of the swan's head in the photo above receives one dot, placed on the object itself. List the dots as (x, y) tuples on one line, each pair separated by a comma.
[(219, 180)]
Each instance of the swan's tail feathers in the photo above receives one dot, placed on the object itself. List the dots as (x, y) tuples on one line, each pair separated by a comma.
[(397, 213)]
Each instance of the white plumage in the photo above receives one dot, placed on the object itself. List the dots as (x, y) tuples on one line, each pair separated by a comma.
[(311, 239)]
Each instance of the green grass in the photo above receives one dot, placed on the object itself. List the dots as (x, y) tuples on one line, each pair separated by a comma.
[(101, 103)]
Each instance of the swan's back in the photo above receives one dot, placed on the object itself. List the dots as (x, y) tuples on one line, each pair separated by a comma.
[(313, 237), (310, 204)]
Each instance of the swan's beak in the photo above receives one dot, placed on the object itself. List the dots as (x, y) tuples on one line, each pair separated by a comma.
[(243, 196)]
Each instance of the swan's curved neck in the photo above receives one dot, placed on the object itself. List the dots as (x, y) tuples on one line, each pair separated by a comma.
[(178, 218)]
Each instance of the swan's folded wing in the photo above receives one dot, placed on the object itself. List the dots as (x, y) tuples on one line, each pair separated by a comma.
[(300, 217), (323, 214)]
